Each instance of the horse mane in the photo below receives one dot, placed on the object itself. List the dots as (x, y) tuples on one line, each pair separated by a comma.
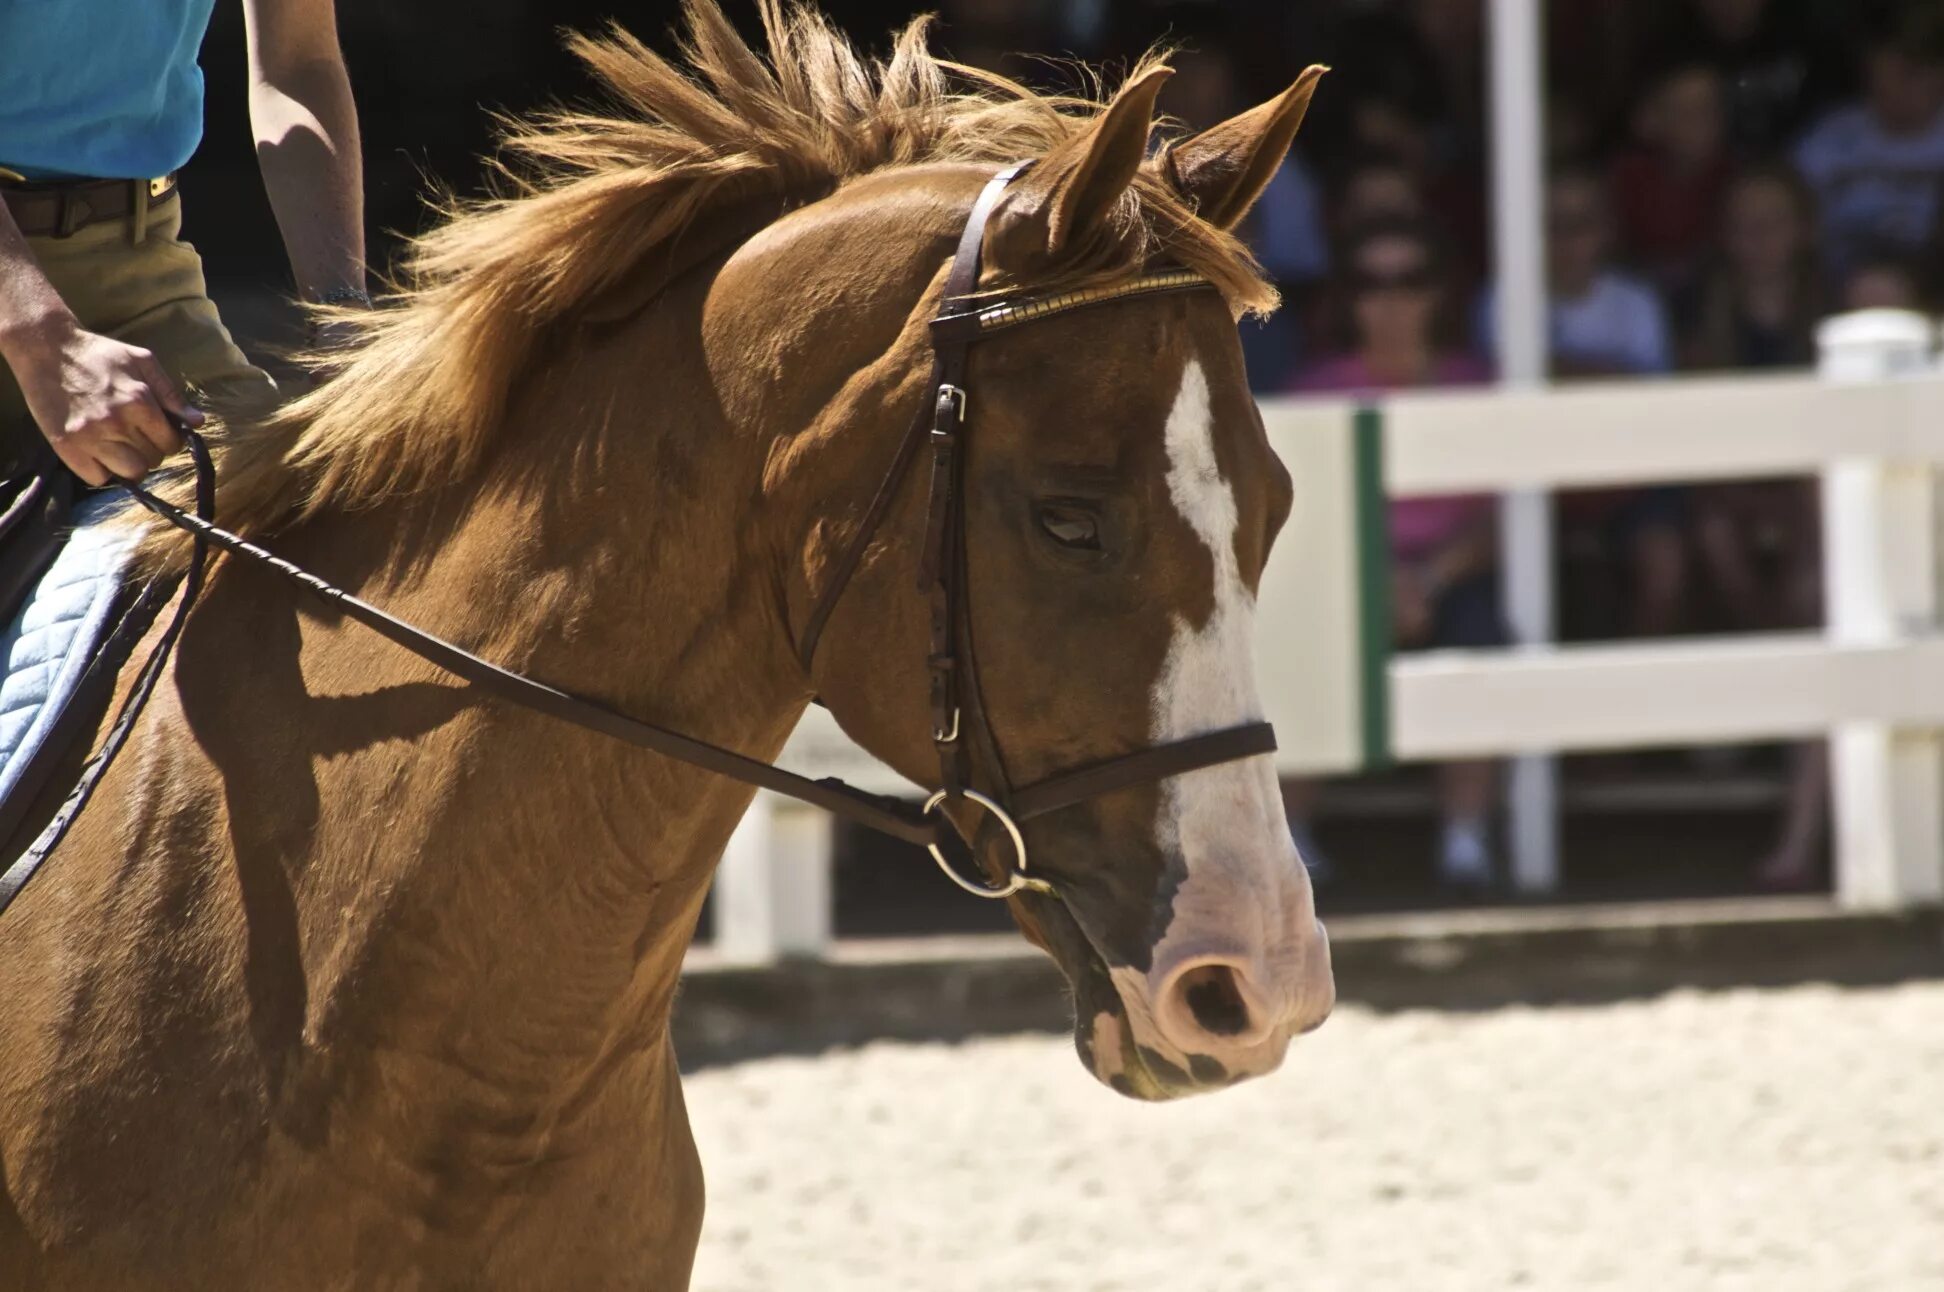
[(586, 196)]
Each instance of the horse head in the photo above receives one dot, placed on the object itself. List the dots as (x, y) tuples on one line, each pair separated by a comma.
[(1120, 498)]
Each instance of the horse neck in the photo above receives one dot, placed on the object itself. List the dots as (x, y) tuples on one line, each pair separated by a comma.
[(538, 881), (636, 535)]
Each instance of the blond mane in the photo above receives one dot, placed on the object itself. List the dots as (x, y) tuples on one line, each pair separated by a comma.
[(422, 390)]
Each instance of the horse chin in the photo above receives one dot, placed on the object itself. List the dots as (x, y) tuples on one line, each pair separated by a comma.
[(1108, 1049), (1102, 1032)]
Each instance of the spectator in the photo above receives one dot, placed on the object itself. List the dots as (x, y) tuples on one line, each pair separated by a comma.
[(1602, 321), (1396, 299), (1758, 307), (1570, 132), (1392, 318), (1451, 36), (1409, 84), (1876, 165), (1882, 282), (1378, 186), (1605, 322), (1667, 186), (1776, 60), (1453, 32), (1760, 543)]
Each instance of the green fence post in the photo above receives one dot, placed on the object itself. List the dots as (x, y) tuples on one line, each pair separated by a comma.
[(1373, 584)]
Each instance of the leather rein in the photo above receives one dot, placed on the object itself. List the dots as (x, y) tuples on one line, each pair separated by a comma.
[(958, 713)]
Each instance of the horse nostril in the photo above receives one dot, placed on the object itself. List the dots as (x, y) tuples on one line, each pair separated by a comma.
[(1215, 1000)]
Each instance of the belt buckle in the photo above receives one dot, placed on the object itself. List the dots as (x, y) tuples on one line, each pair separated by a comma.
[(157, 187), (12, 176)]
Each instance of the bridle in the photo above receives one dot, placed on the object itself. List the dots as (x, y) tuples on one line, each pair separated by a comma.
[(958, 715)]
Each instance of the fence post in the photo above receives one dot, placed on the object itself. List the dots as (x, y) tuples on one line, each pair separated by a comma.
[(1880, 584), (1517, 34), (772, 889)]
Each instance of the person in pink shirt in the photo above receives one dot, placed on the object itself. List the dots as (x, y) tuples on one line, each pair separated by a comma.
[(1396, 308)]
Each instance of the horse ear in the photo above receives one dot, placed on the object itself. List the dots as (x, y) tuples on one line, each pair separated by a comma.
[(1223, 170), (1074, 190)]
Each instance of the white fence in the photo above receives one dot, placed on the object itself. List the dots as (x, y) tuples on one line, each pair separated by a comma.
[(1873, 682)]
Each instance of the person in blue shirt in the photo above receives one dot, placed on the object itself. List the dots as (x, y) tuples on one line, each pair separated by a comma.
[(105, 320), (1604, 322), (1877, 165)]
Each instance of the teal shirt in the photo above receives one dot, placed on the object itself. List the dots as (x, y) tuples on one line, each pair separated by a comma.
[(102, 88)]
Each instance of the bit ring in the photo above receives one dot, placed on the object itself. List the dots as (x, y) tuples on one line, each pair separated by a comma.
[(1016, 880)]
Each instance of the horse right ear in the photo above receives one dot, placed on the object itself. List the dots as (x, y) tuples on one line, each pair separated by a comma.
[(1223, 170), (1051, 210)]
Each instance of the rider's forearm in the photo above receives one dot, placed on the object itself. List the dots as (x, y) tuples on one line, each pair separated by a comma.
[(33, 318), (306, 128)]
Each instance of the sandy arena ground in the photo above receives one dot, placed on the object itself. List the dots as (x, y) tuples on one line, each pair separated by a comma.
[(1772, 1141)]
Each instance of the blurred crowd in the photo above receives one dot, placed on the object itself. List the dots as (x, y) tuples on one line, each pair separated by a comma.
[(1721, 175)]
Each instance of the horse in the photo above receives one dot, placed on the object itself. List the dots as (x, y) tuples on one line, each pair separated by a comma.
[(351, 979)]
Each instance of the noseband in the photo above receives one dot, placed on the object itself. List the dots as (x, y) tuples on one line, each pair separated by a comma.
[(958, 715)]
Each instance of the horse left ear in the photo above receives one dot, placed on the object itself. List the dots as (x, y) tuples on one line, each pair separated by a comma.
[(1223, 170), (1070, 195)]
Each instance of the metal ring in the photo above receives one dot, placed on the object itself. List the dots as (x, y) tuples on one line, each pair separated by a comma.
[(1018, 879)]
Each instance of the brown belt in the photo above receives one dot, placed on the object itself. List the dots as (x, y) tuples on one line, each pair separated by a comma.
[(62, 208)]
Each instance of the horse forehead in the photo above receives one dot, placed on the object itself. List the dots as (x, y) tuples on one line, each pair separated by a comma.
[(1109, 380), (1197, 486)]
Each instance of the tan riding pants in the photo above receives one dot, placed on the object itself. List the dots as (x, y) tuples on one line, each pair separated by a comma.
[(147, 291)]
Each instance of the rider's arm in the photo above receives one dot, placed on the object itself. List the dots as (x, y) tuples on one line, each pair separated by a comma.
[(306, 129), (98, 401)]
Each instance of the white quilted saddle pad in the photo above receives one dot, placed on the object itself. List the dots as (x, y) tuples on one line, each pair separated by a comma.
[(45, 650)]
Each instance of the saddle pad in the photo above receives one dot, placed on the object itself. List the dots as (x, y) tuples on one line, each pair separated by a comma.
[(45, 651)]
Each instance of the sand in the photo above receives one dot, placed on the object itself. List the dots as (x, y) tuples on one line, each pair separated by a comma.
[(1761, 1140)]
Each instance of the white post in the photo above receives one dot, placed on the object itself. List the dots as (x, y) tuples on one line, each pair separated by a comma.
[(1525, 516), (772, 889), (1880, 584)]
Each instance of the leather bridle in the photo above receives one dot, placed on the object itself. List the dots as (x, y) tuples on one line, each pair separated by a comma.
[(958, 714)]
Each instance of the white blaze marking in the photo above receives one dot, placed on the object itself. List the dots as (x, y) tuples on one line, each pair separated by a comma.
[(1243, 893), (1209, 678)]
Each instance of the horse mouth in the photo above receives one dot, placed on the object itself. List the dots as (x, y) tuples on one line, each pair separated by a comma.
[(1103, 1033), (1129, 1068)]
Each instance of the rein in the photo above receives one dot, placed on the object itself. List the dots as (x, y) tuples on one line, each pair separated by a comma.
[(957, 711)]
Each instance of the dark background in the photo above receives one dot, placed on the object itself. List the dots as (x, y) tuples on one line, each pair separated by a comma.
[(428, 73)]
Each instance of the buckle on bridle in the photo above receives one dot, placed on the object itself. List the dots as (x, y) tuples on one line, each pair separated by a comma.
[(947, 737), (954, 395)]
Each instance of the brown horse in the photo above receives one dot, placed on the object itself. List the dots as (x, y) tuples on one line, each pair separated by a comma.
[(347, 980)]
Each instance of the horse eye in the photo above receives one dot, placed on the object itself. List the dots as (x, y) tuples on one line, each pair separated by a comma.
[(1070, 526)]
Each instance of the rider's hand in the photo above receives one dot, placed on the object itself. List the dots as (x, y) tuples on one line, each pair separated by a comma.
[(101, 404)]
